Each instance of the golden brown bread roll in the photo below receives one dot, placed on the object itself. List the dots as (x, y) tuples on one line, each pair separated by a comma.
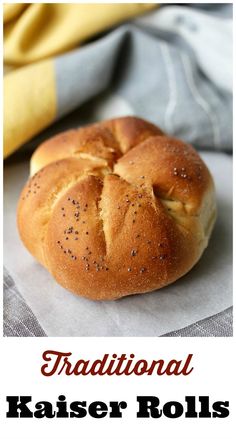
[(116, 208)]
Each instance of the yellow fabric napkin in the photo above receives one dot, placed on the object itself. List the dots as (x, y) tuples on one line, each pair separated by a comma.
[(40, 30), (33, 35), (29, 103)]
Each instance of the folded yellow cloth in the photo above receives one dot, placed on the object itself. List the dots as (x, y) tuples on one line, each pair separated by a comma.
[(34, 33), (29, 103), (12, 10), (39, 30)]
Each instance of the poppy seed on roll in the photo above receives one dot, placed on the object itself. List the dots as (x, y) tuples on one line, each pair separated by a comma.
[(116, 208)]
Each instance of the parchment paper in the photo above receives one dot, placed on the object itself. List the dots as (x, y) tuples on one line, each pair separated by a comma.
[(205, 291)]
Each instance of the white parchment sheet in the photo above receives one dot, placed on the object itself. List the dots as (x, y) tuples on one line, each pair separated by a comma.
[(205, 291)]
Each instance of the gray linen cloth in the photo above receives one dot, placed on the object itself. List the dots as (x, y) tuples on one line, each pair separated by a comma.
[(172, 67), (19, 320)]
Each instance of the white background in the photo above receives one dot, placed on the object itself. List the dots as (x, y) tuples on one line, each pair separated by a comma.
[(213, 375)]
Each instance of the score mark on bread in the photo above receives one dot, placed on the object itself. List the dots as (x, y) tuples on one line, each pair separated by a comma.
[(116, 208)]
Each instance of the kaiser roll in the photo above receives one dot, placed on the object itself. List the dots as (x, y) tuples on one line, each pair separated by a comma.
[(116, 208)]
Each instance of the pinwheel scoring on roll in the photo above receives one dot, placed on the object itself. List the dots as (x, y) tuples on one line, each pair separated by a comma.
[(116, 208)]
